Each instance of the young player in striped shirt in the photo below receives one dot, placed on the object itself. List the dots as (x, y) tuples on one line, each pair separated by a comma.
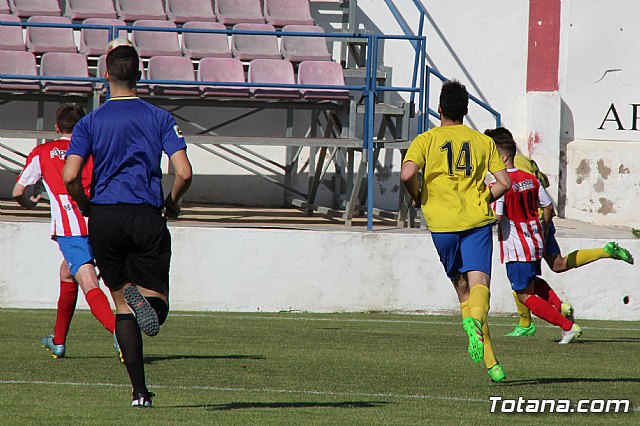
[(522, 235), (68, 229)]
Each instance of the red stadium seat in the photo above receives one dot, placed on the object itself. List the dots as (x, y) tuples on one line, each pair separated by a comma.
[(274, 71), (156, 43), (28, 8), (4, 7), (201, 45), (298, 49), (322, 73), (287, 12), (229, 70), (231, 12), (249, 47), (84, 9), (134, 10), (181, 11), (10, 36), (62, 64), (172, 68), (50, 39), (95, 42), (18, 63)]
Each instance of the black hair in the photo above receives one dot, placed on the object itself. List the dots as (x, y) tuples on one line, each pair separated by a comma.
[(123, 65), (508, 149), (67, 115), (454, 100), (500, 135)]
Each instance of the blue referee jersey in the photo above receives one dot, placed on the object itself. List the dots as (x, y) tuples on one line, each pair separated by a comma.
[(126, 137)]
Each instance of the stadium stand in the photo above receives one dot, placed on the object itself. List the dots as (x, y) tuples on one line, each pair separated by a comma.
[(229, 70), (172, 68), (155, 43), (298, 49), (134, 10), (248, 47), (323, 73), (288, 12), (273, 71), (84, 9), (18, 63), (94, 42), (28, 8), (10, 36), (231, 12), (61, 64), (50, 39), (4, 7), (181, 11), (203, 45)]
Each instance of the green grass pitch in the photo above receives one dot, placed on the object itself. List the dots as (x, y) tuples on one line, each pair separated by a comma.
[(310, 369)]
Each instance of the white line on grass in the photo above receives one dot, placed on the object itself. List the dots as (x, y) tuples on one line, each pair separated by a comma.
[(254, 390)]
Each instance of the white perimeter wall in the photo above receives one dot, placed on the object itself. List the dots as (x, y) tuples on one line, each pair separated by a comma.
[(233, 269)]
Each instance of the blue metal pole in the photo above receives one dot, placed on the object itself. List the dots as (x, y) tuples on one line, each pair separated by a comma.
[(371, 112)]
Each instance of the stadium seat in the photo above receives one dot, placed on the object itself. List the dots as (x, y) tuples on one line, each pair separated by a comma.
[(62, 64), (50, 39), (28, 8), (287, 12), (95, 42), (172, 68), (248, 47), (231, 12), (156, 43), (134, 10), (298, 49), (181, 11), (18, 63), (201, 45), (274, 71), (143, 89), (84, 9), (323, 73), (4, 7), (10, 36), (228, 70)]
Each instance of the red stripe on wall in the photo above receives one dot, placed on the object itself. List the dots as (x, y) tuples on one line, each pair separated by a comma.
[(544, 45)]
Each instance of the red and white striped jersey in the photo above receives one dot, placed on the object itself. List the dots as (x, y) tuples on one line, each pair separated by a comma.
[(519, 229), (46, 162)]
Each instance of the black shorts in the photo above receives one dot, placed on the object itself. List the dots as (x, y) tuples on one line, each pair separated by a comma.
[(131, 244)]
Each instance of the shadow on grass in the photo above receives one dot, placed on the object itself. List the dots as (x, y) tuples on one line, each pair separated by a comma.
[(152, 359), (556, 380), (279, 405), (582, 341)]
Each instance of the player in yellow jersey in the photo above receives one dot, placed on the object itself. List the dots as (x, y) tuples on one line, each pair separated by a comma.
[(455, 201), (553, 255)]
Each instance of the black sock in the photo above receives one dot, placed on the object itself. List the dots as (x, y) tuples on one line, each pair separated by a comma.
[(130, 341), (161, 308)]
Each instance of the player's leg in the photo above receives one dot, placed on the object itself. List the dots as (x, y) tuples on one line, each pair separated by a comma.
[(64, 313), (79, 256)]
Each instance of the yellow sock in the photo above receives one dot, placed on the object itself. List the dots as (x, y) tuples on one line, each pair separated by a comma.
[(465, 310), (579, 258), (478, 302), (523, 312), (489, 357)]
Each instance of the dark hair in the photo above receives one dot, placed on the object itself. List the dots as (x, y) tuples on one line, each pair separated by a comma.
[(123, 65), (500, 135), (508, 149), (67, 116), (454, 100)]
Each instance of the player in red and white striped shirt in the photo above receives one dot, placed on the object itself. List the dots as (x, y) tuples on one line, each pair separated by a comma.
[(68, 229), (522, 235)]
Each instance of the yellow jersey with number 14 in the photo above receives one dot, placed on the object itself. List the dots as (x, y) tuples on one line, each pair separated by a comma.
[(455, 160)]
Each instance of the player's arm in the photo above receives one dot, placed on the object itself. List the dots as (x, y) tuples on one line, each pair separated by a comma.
[(19, 195), (548, 211), (501, 185), (409, 178), (72, 177), (183, 176)]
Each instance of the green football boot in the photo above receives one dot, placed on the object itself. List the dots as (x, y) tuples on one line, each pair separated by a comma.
[(519, 330), (476, 341), (618, 252), (497, 373)]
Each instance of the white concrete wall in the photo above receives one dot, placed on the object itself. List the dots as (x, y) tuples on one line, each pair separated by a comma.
[(244, 270)]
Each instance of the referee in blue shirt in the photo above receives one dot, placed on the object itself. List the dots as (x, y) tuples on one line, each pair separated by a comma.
[(131, 242)]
